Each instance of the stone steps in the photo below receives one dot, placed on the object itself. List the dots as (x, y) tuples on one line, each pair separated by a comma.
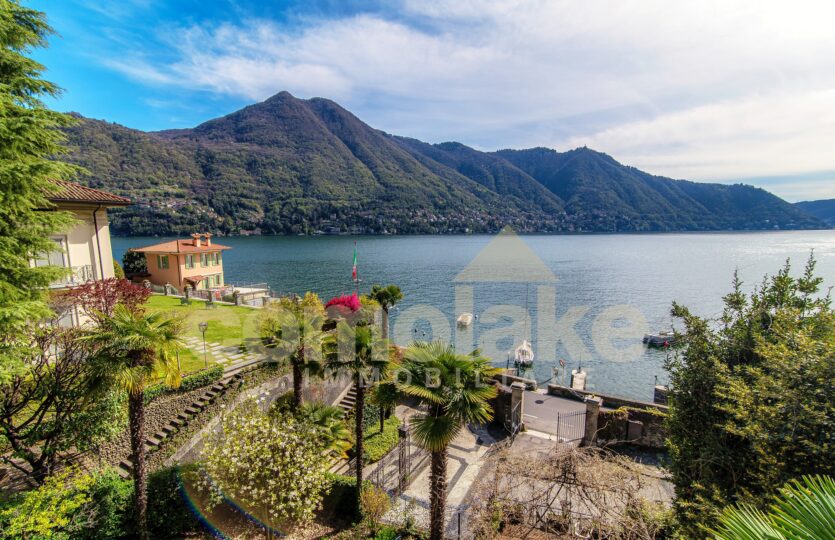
[(175, 423)]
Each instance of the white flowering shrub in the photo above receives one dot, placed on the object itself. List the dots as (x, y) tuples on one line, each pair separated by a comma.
[(270, 466)]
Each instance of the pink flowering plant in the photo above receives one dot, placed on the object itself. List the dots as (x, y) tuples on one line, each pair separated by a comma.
[(350, 301)]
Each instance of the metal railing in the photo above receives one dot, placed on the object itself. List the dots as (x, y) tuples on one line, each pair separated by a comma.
[(571, 427), (78, 275)]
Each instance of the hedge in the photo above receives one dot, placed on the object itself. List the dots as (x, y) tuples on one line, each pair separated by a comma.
[(376, 445), (201, 378)]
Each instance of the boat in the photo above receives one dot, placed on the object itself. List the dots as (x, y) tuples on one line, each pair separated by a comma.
[(661, 339), (523, 355), (465, 319)]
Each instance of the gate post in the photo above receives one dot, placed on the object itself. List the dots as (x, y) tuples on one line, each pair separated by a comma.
[(403, 444), (593, 404), (517, 402)]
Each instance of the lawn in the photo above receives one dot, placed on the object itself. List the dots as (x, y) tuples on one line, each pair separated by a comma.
[(227, 325)]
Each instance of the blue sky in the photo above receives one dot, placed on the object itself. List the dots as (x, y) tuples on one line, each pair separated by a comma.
[(711, 91)]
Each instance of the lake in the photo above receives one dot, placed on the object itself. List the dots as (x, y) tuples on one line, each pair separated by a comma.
[(588, 298)]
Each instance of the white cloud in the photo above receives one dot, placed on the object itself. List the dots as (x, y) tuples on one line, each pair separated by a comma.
[(699, 89)]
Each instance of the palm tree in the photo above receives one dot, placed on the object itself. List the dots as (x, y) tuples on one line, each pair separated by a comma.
[(132, 348), (453, 388), (385, 396), (329, 422), (803, 510), (387, 297), (296, 333), (359, 352)]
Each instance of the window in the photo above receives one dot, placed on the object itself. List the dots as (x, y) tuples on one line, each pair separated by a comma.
[(216, 258), (162, 262), (189, 261), (56, 257), (204, 259)]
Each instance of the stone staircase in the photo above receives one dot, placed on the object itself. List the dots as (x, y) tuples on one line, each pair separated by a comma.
[(175, 423), (341, 466)]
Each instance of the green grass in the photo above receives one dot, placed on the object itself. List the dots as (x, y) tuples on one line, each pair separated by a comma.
[(228, 325)]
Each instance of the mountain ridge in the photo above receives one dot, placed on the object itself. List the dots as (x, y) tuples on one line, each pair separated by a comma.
[(295, 166)]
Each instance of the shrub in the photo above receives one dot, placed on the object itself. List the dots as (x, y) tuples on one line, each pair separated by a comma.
[(375, 503), (377, 445), (341, 495), (169, 515), (196, 380)]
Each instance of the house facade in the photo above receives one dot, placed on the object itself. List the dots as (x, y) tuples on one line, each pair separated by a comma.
[(196, 262), (84, 250)]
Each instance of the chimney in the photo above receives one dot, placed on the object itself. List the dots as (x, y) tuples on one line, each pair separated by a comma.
[(208, 237), (196, 238)]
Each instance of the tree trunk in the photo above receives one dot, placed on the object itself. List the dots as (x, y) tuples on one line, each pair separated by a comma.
[(382, 419), (360, 405), (297, 385), (437, 495), (385, 323), (136, 419)]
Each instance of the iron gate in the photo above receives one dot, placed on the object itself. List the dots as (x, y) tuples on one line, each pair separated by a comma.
[(571, 427)]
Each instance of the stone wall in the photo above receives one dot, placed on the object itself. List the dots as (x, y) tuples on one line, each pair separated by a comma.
[(639, 427)]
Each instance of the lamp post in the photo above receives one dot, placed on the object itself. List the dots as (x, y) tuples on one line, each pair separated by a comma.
[(203, 326)]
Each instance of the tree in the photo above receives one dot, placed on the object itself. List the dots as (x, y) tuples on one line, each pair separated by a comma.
[(329, 421), (362, 354), (271, 466), (752, 403), (134, 347), (294, 331), (97, 299), (385, 396), (134, 262), (28, 172), (803, 510), (55, 404), (118, 271), (453, 387), (387, 297)]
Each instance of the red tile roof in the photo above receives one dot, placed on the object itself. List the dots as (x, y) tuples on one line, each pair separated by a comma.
[(180, 246), (71, 192)]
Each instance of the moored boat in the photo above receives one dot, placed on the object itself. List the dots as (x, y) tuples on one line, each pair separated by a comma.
[(660, 339), (523, 355), (465, 319)]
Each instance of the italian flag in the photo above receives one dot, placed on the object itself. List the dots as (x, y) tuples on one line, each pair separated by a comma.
[(354, 269)]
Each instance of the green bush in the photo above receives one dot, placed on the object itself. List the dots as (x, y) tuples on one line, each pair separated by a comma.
[(376, 445), (71, 506), (112, 499), (204, 377), (169, 515), (386, 533), (341, 498)]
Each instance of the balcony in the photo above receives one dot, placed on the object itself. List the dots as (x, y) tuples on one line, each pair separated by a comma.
[(78, 275)]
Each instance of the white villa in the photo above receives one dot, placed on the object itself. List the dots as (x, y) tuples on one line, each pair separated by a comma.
[(86, 248)]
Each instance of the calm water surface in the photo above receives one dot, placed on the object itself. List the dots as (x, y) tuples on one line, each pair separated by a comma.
[(594, 272)]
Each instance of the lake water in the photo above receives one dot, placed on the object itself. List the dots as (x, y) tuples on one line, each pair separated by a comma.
[(607, 289)]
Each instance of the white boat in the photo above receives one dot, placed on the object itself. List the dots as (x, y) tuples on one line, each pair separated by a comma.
[(523, 355), (465, 319)]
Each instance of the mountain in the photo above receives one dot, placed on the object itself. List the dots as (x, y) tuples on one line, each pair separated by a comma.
[(824, 210), (294, 166)]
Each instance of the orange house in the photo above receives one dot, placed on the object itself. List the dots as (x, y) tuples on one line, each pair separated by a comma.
[(196, 262)]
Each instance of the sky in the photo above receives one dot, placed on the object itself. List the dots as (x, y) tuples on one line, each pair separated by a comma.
[(724, 91)]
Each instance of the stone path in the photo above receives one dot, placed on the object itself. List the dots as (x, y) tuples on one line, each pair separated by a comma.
[(231, 357)]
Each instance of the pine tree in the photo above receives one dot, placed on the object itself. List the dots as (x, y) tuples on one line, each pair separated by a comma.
[(30, 139)]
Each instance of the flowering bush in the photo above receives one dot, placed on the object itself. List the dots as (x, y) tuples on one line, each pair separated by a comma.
[(351, 302), (271, 467)]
